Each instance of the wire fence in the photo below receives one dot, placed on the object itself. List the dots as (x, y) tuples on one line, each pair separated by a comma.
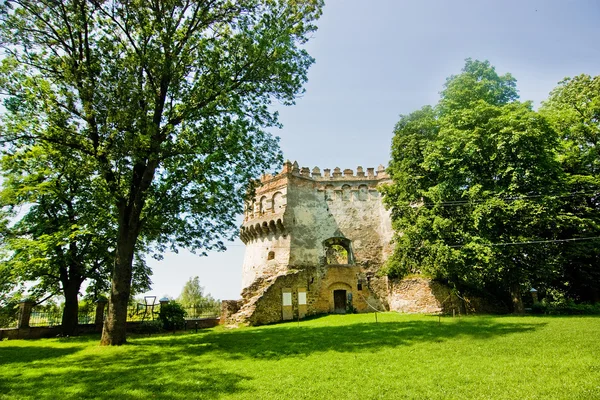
[(86, 317), (200, 313), (45, 318)]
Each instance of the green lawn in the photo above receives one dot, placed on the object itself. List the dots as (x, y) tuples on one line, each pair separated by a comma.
[(333, 357)]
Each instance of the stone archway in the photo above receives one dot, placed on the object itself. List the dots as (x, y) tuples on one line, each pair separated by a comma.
[(338, 251), (338, 294)]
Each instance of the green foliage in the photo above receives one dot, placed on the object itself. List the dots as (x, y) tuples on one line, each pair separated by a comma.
[(149, 327), (193, 299), (573, 109), (565, 307), (471, 174), (9, 311), (164, 104), (172, 316), (343, 357), (336, 254)]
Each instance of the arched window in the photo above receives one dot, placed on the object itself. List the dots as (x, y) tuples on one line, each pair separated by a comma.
[(338, 250), (363, 192), (263, 205), (271, 255), (346, 193), (277, 202)]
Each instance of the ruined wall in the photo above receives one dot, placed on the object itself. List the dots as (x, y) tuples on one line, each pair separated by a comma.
[(294, 212), (287, 225), (420, 295), (319, 283), (264, 231)]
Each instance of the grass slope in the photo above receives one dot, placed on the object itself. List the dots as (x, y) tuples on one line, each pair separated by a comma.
[(337, 357)]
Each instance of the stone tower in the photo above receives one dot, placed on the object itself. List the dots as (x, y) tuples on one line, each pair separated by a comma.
[(314, 242)]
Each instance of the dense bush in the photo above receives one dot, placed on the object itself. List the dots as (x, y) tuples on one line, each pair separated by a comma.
[(565, 307), (172, 315), (9, 314), (148, 327)]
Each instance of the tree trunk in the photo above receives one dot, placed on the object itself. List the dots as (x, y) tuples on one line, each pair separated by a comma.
[(114, 332), (516, 298), (115, 324), (70, 317)]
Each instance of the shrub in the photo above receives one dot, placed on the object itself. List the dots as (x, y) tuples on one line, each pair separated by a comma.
[(565, 307), (539, 308), (172, 316), (149, 327)]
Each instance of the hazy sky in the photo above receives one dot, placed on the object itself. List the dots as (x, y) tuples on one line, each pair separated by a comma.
[(378, 59)]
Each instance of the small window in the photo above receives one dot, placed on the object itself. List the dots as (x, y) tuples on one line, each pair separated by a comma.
[(301, 298), (287, 298), (271, 255), (359, 286)]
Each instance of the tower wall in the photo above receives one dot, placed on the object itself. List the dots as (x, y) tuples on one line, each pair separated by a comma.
[(292, 220)]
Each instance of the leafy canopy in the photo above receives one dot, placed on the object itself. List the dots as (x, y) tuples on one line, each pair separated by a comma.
[(166, 101), (471, 174)]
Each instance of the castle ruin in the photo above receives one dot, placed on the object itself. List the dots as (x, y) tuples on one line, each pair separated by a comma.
[(314, 244)]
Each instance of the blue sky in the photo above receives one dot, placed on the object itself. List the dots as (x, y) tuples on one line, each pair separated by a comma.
[(378, 59)]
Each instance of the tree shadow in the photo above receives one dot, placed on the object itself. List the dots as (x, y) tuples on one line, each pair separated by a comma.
[(179, 366), (27, 354), (161, 372), (287, 340)]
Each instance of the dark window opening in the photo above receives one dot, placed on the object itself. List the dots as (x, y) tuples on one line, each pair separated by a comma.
[(271, 255), (359, 286)]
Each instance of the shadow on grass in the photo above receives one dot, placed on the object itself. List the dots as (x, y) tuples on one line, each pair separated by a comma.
[(27, 354), (159, 372), (287, 340), (179, 366)]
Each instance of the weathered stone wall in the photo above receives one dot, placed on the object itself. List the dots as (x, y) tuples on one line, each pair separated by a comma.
[(420, 295), (319, 282), (286, 226), (229, 308), (256, 259)]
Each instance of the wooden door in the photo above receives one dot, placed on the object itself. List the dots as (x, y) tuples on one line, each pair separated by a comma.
[(339, 301)]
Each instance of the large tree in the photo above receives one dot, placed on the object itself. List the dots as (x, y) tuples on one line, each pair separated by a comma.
[(60, 236), (573, 108), (472, 183), (167, 100)]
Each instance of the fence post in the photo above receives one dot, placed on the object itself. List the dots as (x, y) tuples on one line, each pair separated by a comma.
[(24, 314), (99, 320)]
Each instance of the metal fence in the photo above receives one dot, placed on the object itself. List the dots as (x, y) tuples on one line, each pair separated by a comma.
[(86, 317), (45, 318), (54, 318), (200, 313)]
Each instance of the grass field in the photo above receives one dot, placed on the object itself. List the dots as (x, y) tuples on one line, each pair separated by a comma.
[(332, 357)]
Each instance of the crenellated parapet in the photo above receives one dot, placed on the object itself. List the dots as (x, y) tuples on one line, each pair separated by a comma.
[(270, 201), (336, 174)]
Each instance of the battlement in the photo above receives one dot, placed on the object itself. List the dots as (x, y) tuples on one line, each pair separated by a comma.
[(337, 174)]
